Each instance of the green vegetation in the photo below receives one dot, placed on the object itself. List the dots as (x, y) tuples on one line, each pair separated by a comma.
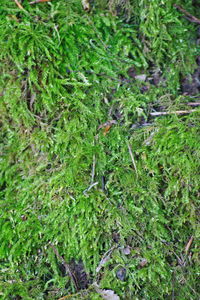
[(64, 72)]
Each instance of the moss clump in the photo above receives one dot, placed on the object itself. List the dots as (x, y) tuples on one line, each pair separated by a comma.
[(65, 72)]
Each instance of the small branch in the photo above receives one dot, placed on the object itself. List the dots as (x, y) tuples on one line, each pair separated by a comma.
[(93, 169), (105, 258), (190, 17), (132, 158), (178, 112), (187, 247), (38, 1), (90, 187), (19, 5), (193, 103), (67, 267)]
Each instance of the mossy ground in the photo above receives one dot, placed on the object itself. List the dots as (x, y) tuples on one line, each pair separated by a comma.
[(64, 72)]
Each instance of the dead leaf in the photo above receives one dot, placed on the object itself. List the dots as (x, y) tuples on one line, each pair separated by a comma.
[(107, 129), (86, 5), (108, 123), (106, 294)]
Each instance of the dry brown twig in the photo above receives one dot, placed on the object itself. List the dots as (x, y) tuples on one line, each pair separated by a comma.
[(188, 16), (193, 103), (38, 1), (178, 112), (189, 243), (67, 267), (19, 5)]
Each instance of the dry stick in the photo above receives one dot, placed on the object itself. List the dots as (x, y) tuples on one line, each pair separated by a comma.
[(67, 267), (93, 169), (38, 1), (18, 4), (132, 158), (105, 258), (178, 112), (190, 17), (189, 244), (193, 103), (69, 296)]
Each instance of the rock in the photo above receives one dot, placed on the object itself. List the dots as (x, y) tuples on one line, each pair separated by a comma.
[(121, 274)]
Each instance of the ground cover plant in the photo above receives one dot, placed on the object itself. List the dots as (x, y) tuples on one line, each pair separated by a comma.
[(99, 198)]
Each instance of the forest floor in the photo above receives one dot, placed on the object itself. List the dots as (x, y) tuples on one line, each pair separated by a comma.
[(99, 150)]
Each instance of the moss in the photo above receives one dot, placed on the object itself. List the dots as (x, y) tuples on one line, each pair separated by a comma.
[(64, 72)]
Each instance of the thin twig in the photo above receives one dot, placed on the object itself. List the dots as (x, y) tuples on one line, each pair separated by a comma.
[(178, 112), (38, 1), (189, 244), (132, 158), (90, 187), (69, 296), (189, 17), (67, 267), (19, 5), (193, 103), (93, 169), (105, 258)]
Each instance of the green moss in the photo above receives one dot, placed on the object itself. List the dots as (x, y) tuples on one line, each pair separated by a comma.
[(64, 72)]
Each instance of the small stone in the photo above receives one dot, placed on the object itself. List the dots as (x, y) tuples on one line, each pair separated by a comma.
[(141, 77), (126, 250), (143, 262), (121, 274)]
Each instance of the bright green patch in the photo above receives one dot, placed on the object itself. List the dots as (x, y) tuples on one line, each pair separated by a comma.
[(61, 77)]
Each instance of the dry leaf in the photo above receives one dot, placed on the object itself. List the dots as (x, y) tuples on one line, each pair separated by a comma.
[(86, 5), (106, 294)]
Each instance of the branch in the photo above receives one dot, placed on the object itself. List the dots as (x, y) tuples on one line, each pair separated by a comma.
[(178, 112), (190, 17), (193, 103), (38, 1), (67, 267), (132, 158), (19, 5)]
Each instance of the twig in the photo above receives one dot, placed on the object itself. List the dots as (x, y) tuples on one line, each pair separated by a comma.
[(105, 258), (38, 1), (190, 17), (189, 244), (132, 158), (19, 5), (69, 296), (178, 112), (90, 187), (193, 103), (67, 267), (93, 169)]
